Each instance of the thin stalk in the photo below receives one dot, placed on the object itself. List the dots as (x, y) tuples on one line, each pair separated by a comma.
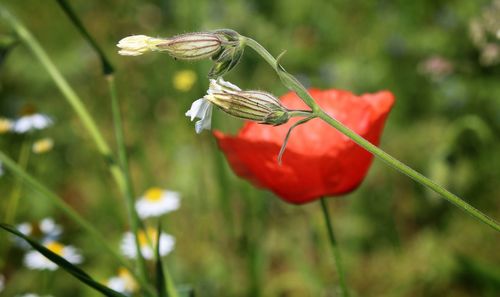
[(344, 292), (301, 91), (76, 103), (24, 156), (69, 94), (122, 157)]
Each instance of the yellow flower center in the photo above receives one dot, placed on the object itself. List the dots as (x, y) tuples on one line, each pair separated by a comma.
[(184, 80), (43, 145), (55, 247), (146, 237), (154, 194), (5, 125), (125, 275)]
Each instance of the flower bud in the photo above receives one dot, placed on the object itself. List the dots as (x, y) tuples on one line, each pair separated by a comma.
[(137, 45), (190, 46), (257, 106), (193, 46)]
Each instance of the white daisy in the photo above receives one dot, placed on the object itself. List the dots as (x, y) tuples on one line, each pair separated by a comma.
[(156, 202), (35, 260), (36, 121), (147, 243), (124, 282), (46, 229)]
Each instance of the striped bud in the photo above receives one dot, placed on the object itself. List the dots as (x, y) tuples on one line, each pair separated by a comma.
[(193, 46), (190, 46), (256, 106)]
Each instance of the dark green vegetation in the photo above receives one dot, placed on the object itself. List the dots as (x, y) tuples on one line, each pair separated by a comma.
[(232, 240)]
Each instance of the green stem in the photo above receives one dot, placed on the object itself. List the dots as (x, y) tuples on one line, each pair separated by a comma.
[(344, 292), (69, 94), (16, 192), (63, 206), (107, 68), (77, 105), (298, 88), (122, 157)]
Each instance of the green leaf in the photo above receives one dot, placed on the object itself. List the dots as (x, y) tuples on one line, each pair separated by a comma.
[(64, 264)]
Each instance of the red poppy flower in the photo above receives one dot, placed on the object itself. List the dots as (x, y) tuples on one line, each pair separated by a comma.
[(318, 161)]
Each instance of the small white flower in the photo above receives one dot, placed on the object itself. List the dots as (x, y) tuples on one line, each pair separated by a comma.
[(2, 283), (35, 260), (31, 122), (45, 230), (201, 109), (46, 227), (123, 282), (156, 202), (128, 247)]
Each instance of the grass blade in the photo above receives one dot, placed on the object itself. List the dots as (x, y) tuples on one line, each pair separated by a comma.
[(64, 264)]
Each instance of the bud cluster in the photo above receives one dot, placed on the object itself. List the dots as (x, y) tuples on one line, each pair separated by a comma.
[(224, 47)]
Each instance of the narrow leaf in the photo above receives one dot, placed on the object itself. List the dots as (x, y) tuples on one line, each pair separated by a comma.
[(64, 264)]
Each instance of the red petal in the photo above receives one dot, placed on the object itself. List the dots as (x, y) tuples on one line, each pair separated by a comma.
[(319, 161)]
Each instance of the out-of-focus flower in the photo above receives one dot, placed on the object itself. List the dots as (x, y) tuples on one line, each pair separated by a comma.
[(184, 80), (31, 122), (319, 160), (484, 30), (43, 145), (147, 243), (156, 202), (35, 260), (257, 106), (1, 169), (436, 67), (190, 46), (124, 282), (32, 295), (45, 230), (5, 125)]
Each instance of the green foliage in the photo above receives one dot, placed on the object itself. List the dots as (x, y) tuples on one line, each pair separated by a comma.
[(232, 239)]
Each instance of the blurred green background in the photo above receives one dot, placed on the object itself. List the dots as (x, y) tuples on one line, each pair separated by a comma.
[(439, 58)]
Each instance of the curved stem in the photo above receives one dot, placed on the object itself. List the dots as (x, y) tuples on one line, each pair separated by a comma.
[(294, 85), (344, 292)]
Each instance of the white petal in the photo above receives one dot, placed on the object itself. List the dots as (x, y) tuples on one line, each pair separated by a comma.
[(205, 122), (201, 109)]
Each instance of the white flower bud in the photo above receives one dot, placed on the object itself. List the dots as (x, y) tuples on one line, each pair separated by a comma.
[(137, 45), (251, 105)]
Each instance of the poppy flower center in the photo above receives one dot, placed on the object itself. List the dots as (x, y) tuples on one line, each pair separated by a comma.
[(55, 247), (154, 194)]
